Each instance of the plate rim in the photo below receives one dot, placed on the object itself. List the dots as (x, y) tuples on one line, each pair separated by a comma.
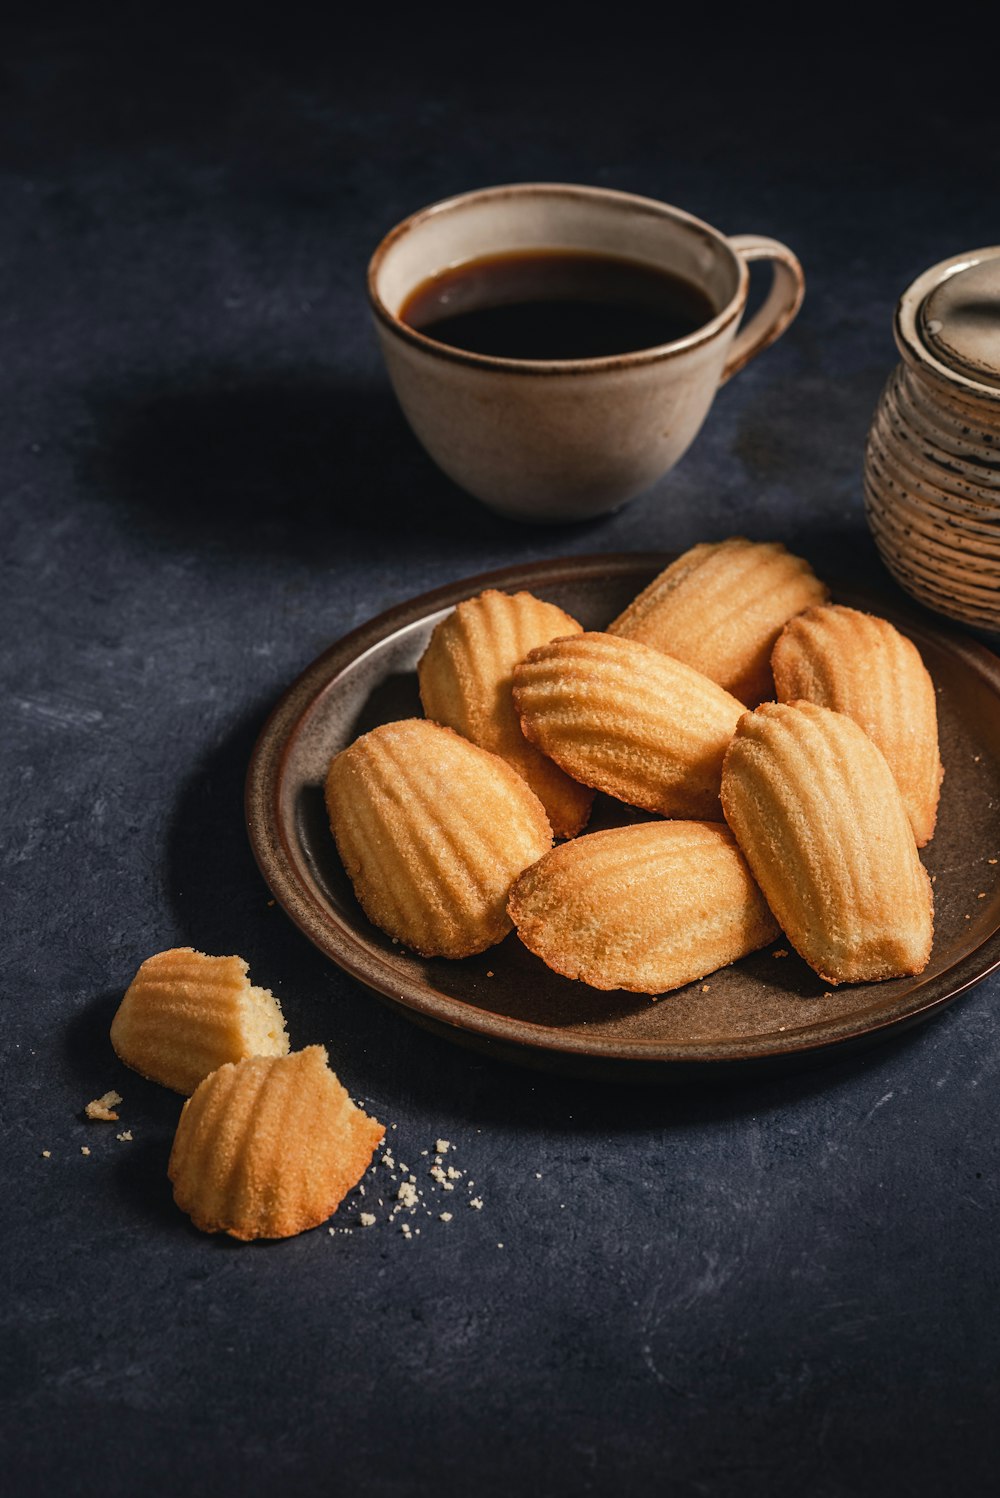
[(444, 1013)]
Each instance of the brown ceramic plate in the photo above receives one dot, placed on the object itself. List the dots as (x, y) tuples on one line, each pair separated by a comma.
[(764, 1010)]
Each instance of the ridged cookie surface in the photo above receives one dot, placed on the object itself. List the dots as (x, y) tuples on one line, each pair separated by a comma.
[(628, 720), (269, 1147), (646, 908), (720, 607), (466, 676), (820, 819), (433, 831), (861, 665), (185, 1013)]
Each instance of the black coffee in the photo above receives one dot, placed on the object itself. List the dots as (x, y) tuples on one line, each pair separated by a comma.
[(556, 304)]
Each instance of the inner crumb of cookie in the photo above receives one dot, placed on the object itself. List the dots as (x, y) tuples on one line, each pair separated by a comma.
[(263, 1023)]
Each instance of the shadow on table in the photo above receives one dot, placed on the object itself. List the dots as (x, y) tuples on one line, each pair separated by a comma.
[(293, 462)]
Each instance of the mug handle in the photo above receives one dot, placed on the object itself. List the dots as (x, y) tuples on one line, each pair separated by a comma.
[(784, 299)]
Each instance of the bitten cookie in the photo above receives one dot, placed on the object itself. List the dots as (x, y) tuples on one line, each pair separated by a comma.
[(184, 1014), (269, 1147)]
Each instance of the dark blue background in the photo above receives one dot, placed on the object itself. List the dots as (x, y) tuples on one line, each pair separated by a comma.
[(776, 1288)]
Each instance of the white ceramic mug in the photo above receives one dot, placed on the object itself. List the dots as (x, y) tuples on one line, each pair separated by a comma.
[(571, 438)]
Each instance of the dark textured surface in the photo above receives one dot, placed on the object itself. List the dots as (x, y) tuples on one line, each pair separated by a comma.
[(780, 1288)]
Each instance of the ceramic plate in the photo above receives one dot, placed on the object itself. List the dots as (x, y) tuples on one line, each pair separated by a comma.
[(766, 1010)]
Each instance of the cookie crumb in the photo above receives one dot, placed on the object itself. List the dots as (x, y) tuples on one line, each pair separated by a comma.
[(84, 1149), (477, 1202), (781, 952), (406, 1230), (704, 988), (125, 1136), (489, 972), (367, 1219), (407, 1194), (445, 1216), (46, 1154), (442, 1146), (102, 1107), (991, 860), (981, 895)]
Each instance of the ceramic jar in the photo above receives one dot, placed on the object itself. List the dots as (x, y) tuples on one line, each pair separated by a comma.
[(932, 463)]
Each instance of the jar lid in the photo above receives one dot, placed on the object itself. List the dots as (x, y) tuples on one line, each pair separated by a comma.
[(959, 318)]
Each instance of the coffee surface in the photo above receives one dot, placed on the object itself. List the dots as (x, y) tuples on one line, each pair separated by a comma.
[(556, 304)]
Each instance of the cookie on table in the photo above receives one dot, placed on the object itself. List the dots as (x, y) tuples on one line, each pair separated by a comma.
[(466, 676), (645, 908), (185, 1013), (861, 665), (820, 820), (269, 1147), (628, 720), (720, 607), (433, 831)]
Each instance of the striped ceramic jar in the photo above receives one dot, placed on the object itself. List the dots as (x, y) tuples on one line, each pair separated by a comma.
[(932, 463)]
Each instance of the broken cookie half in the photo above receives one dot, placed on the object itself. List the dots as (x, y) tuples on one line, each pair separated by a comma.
[(269, 1147), (185, 1014)]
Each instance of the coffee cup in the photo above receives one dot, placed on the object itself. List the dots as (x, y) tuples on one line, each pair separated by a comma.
[(569, 438)]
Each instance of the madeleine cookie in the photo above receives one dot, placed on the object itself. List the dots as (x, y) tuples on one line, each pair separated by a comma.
[(269, 1147), (646, 908), (861, 665), (720, 607), (628, 720), (184, 1014), (433, 831), (820, 819), (466, 674)]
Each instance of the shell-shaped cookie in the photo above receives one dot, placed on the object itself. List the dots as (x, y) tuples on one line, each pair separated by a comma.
[(466, 675), (861, 665), (720, 607), (185, 1013), (433, 831), (646, 908), (269, 1147), (821, 822), (628, 720)]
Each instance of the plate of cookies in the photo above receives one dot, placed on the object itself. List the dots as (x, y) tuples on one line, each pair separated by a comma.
[(643, 815)]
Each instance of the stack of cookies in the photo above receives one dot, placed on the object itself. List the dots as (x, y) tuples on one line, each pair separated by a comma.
[(787, 747)]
